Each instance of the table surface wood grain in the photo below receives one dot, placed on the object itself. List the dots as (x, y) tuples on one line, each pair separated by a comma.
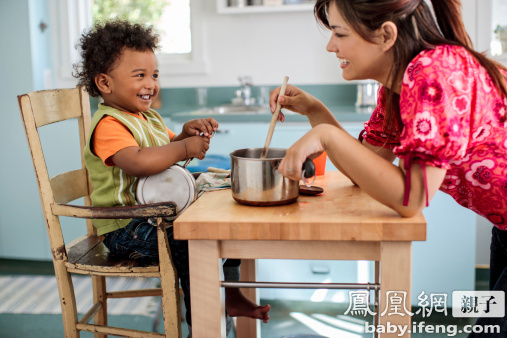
[(342, 212)]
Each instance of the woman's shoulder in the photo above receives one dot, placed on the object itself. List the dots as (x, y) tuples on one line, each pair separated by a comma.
[(441, 64), (442, 50), (448, 56)]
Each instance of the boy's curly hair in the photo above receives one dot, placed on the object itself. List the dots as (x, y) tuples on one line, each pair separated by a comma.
[(103, 44)]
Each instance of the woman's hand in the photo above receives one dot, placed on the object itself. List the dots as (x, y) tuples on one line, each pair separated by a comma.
[(295, 100), (196, 127), (309, 146)]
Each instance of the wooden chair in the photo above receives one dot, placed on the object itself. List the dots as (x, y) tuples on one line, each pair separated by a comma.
[(87, 255)]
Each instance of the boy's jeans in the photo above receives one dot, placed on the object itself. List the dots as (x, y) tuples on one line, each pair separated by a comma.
[(138, 240)]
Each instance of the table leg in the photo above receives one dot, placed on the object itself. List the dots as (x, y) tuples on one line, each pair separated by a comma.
[(395, 284), (206, 295), (247, 327), (377, 296)]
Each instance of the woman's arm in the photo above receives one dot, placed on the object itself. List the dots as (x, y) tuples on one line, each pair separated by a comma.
[(301, 102), (370, 170)]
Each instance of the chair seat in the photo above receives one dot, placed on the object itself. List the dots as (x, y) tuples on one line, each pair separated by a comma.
[(89, 255)]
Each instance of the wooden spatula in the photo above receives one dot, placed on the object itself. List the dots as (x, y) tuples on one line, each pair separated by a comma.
[(274, 118)]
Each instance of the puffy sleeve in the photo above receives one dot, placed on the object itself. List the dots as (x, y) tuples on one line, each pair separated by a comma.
[(435, 106), (374, 129)]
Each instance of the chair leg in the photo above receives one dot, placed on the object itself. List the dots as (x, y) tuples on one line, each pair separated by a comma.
[(67, 299), (169, 284), (156, 321), (99, 295)]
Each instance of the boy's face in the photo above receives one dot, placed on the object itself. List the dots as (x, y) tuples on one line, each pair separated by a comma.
[(132, 84)]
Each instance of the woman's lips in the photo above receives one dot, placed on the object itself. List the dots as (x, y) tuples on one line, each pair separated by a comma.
[(343, 62)]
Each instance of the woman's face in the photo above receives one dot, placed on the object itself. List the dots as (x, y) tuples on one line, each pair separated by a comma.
[(359, 59)]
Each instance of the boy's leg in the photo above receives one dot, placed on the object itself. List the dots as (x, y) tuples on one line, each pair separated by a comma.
[(138, 240), (179, 253), (231, 270), (235, 302)]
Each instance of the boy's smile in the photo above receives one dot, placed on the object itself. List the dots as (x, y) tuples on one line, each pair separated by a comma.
[(131, 84)]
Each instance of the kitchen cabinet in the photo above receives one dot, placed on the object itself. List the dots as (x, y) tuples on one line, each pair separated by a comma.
[(224, 8), (445, 262)]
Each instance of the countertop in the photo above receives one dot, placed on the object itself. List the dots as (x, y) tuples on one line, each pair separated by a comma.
[(342, 114)]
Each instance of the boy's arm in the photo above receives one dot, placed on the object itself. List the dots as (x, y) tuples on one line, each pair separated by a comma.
[(112, 144), (142, 162), (205, 127)]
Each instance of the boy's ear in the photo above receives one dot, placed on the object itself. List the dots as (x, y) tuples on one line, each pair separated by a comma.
[(102, 83), (389, 34)]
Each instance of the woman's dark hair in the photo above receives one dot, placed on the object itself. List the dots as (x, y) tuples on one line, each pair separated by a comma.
[(104, 43), (417, 31)]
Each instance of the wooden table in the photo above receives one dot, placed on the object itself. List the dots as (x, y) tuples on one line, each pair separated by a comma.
[(343, 223)]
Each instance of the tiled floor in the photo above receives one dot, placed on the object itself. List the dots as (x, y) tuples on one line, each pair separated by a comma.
[(287, 317)]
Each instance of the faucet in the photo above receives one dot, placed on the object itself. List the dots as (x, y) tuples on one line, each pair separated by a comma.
[(246, 89)]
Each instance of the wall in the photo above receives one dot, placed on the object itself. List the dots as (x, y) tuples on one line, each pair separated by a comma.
[(266, 46), (40, 42), (19, 198)]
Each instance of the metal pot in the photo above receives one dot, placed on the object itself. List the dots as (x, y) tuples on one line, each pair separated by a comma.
[(257, 182)]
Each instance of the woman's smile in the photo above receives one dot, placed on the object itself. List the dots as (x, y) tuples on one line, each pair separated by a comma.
[(343, 62)]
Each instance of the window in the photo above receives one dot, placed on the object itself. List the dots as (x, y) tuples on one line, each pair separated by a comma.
[(170, 19), (177, 22)]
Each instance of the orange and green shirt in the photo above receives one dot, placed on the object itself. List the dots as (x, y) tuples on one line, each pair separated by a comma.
[(111, 131)]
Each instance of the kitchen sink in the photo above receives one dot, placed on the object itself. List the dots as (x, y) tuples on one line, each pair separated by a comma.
[(229, 109), (241, 109)]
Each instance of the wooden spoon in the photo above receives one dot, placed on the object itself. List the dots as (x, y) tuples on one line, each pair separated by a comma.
[(274, 119)]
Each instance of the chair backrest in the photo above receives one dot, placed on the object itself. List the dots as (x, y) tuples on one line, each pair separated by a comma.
[(39, 109)]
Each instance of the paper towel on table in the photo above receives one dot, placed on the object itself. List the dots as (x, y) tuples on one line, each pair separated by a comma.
[(213, 181)]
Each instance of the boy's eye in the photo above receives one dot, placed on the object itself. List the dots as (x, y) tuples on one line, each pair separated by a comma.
[(139, 75), (155, 76)]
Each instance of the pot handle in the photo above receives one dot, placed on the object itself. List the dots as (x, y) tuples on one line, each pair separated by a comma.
[(308, 171)]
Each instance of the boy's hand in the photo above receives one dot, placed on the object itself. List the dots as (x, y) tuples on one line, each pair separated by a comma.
[(196, 146), (196, 127)]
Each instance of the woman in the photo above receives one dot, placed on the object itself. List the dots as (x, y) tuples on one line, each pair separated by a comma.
[(441, 111)]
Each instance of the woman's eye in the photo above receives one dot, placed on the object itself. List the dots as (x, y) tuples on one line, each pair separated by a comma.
[(339, 35)]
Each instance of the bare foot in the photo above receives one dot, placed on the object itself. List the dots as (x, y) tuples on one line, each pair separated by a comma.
[(238, 305)]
